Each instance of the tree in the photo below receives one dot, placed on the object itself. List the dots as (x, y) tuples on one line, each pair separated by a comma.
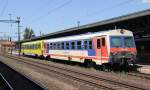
[(28, 33)]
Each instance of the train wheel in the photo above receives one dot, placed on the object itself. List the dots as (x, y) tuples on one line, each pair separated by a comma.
[(106, 67), (47, 57), (88, 63), (36, 56), (41, 57)]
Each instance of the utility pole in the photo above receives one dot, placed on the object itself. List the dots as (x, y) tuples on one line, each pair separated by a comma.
[(19, 44), (18, 22)]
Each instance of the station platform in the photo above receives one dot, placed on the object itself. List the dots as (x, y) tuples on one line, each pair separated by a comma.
[(144, 68)]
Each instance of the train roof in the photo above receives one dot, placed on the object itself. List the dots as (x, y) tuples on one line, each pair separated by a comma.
[(90, 35)]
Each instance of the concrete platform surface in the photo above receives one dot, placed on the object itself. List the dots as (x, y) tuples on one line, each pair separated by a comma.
[(144, 68)]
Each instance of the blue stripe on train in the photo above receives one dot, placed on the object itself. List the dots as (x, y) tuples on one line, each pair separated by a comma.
[(91, 52)]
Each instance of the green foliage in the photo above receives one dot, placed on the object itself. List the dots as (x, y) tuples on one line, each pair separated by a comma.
[(28, 33)]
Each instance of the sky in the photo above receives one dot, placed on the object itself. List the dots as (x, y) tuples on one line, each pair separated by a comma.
[(47, 16)]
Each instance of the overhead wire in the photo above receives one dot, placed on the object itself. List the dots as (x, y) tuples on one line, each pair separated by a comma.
[(53, 10), (106, 9), (4, 8)]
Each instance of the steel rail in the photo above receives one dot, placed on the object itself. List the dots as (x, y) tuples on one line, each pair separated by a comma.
[(87, 75), (6, 82)]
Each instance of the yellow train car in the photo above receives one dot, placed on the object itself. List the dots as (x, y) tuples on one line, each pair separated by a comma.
[(34, 48)]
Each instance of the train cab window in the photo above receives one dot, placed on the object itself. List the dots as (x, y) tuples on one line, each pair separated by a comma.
[(85, 44), (98, 43), (67, 45), (73, 45), (90, 44), (103, 41), (62, 45), (79, 44)]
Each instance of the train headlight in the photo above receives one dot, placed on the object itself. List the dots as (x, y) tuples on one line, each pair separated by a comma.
[(122, 31)]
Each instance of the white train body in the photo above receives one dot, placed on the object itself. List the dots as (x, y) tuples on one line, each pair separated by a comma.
[(97, 47)]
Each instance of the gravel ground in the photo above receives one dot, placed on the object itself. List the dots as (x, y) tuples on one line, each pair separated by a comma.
[(54, 82), (144, 69), (47, 79), (122, 77)]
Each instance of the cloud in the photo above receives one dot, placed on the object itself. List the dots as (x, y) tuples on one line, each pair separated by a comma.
[(146, 1)]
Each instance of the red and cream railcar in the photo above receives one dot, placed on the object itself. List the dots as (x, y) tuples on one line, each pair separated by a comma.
[(113, 47)]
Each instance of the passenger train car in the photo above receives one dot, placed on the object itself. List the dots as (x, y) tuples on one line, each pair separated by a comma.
[(106, 47), (34, 48)]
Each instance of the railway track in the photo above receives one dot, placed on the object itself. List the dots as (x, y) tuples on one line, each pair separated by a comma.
[(5, 85), (89, 79), (140, 75)]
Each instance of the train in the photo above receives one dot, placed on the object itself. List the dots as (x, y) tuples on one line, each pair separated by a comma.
[(111, 47)]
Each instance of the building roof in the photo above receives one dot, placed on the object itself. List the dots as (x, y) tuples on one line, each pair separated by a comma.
[(100, 23)]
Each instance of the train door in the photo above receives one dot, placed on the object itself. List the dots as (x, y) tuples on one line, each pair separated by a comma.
[(100, 48), (97, 46), (46, 47)]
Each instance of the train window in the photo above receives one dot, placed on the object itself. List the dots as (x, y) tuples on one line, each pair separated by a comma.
[(128, 42), (62, 45), (28, 47), (85, 44), (39, 46), (116, 42), (47, 45), (67, 45), (79, 44), (32, 46), (54, 45), (36, 46), (58, 45), (103, 41), (51, 45), (90, 44), (73, 45), (98, 43)]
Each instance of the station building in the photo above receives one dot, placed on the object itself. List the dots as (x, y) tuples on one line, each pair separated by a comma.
[(6, 46)]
